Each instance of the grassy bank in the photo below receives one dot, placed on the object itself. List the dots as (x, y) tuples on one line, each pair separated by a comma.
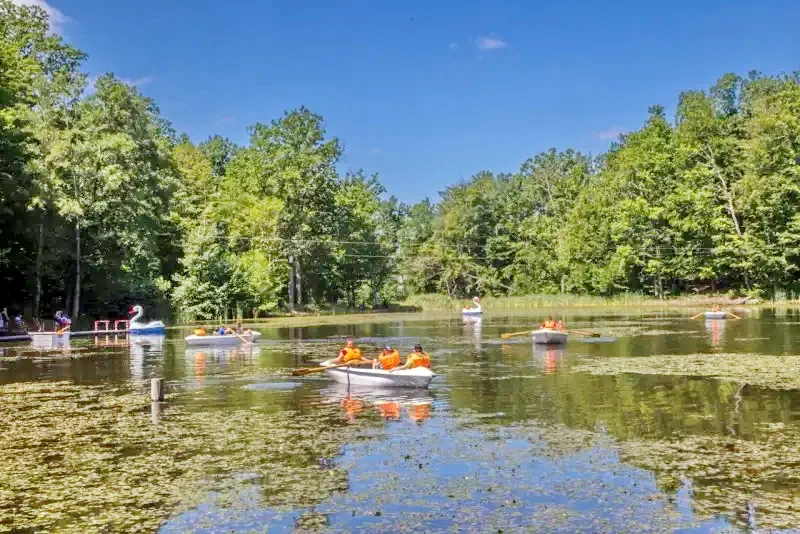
[(435, 302)]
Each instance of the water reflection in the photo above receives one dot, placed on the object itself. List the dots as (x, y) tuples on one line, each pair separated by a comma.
[(716, 330), (495, 415), (550, 357), (473, 327)]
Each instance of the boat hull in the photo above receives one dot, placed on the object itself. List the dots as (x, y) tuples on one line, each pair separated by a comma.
[(419, 377), (220, 341), (549, 337), (148, 331), (716, 315), (46, 340), (471, 312)]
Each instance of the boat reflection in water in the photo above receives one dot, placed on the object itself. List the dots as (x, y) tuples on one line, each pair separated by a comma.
[(388, 402), (473, 325), (202, 361), (716, 329), (144, 348), (552, 357)]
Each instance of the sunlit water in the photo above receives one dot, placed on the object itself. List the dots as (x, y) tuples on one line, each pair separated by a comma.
[(509, 435)]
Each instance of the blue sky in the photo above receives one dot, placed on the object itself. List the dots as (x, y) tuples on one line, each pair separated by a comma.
[(426, 93)]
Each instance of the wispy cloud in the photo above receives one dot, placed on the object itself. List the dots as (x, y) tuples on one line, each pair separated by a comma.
[(609, 134), (223, 121), (138, 82), (374, 151), (453, 46), (57, 19), (490, 42)]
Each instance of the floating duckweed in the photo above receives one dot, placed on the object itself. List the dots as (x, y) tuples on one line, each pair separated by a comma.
[(776, 372)]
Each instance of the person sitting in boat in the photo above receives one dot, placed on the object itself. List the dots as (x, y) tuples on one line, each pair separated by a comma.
[(418, 358), (560, 325), (62, 321), (550, 324), (388, 359), (715, 308), (19, 321), (349, 353), (200, 331)]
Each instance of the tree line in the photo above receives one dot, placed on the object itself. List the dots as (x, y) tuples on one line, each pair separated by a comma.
[(103, 203)]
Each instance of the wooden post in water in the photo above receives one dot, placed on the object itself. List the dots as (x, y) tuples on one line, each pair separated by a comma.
[(157, 390)]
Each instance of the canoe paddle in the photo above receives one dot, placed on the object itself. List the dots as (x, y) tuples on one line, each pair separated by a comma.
[(696, 316), (309, 370)]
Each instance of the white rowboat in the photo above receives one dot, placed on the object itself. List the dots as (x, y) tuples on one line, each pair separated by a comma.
[(48, 340), (716, 315), (418, 377), (229, 340), (546, 336)]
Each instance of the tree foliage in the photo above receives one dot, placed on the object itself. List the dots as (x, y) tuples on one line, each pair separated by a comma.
[(102, 203)]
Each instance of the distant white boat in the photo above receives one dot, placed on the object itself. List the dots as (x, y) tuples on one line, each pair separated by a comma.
[(228, 340), (418, 377), (546, 336), (475, 309), (716, 315)]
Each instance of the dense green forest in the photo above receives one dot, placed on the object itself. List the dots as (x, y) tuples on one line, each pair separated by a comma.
[(103, 203)]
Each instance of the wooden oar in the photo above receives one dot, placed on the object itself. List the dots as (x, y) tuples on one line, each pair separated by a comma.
[(696, 316), (733, 315), (582, 333), (309, 370), (243, 339), (507, 335)]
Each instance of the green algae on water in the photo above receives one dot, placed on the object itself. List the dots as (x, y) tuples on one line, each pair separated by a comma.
[(775, 372)]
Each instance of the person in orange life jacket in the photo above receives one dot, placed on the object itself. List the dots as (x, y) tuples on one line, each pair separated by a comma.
[(550, 324), (418, 358), (388, 359), (349, 353)]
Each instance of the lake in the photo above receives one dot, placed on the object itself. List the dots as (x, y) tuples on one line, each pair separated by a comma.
[(663, 423)]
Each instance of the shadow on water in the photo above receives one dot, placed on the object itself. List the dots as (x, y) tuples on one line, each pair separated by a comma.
[(509, 435)]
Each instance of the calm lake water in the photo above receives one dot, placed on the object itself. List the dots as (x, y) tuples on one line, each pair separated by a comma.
[(590, 437)]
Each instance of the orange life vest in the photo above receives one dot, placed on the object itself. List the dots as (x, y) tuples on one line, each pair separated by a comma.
[(419, 359), (349, 354), (389, 361), (549, 324), (199, 331)]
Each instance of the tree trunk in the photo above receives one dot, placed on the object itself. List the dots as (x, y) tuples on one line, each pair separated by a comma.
[(76, 300), (291, 284), (299, 275), (37, 299)]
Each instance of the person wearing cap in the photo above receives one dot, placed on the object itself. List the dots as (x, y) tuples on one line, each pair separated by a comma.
[(418, 358), (388, 359), (349, 353)]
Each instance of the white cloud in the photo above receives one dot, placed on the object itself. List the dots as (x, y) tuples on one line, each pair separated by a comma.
[(453, 46), (57, 19), (490, 42), (609, 134)]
